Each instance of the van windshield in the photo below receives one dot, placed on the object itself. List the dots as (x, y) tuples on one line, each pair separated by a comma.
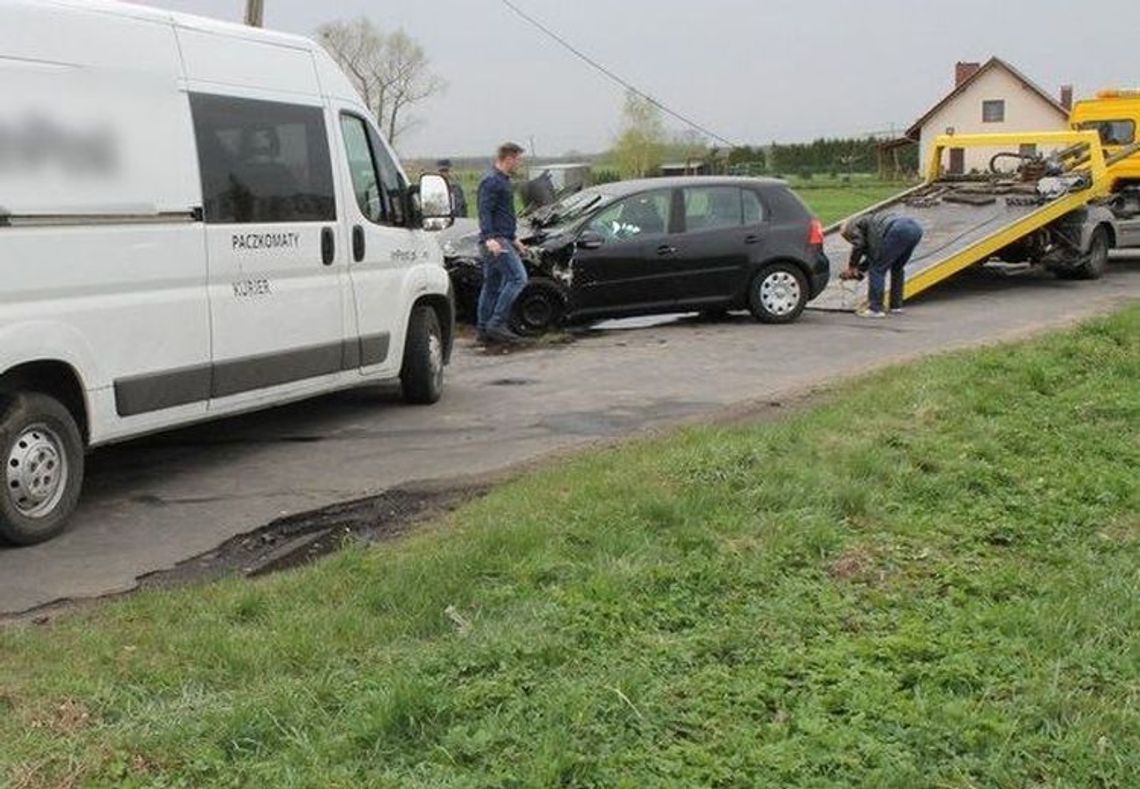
[(1112, 132)]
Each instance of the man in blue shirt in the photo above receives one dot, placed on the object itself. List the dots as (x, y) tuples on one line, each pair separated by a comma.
[(504, 276)]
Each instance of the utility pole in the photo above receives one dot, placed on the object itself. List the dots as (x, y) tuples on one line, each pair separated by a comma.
[(254, 12)]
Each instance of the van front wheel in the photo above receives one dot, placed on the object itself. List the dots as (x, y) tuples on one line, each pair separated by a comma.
[(421, 376), (42, 452)]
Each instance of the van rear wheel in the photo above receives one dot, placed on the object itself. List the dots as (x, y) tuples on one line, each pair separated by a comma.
[(42, 452), (421, 377)]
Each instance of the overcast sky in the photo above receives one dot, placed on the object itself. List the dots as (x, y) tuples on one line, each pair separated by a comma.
[(753, 71)]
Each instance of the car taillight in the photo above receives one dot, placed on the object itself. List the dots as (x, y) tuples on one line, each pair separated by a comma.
[(815, 233)]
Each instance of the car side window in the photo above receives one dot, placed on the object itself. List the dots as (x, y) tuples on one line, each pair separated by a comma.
[(753, 208), (634, 217), (712, 208), (262, 161), (376, 181)]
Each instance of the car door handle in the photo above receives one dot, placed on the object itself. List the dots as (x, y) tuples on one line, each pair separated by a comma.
[(753, 239), (358, 247), (328, 246), (665, 250)]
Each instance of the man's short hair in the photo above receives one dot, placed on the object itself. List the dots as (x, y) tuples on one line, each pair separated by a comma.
[(509, 149)]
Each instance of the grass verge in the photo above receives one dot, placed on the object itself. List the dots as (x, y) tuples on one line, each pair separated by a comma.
[(929, 580)]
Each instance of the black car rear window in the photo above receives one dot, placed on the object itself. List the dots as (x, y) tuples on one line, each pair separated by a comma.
[(785, 204)]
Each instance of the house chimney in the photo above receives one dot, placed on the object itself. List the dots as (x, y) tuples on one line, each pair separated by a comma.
[(963, 71), (1067, 96)]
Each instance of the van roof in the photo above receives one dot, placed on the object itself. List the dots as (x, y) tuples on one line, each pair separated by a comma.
[(190, 21)]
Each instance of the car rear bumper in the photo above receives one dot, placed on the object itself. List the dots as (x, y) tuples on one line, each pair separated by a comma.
[(820, 274)]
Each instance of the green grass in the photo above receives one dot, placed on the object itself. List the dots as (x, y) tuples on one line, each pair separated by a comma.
[(834, 202), (929, 579)]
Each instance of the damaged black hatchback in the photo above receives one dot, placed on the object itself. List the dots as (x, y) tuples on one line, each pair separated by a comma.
[(659, 246)]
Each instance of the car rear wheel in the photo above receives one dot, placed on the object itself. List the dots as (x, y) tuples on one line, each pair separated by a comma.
[(42, 452), (421, 377), (778, 293), (538, 309)]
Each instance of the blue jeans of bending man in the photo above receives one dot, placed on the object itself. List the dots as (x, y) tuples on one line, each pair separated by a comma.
[(504, 277), (899, 244)]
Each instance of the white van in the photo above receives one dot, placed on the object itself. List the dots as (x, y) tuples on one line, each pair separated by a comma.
[(196, 219)]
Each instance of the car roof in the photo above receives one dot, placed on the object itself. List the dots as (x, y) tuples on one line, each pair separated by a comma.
[(622, 188)]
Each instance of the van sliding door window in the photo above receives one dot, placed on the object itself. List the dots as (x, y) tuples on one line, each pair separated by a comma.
[(262, 161), (376, 180)]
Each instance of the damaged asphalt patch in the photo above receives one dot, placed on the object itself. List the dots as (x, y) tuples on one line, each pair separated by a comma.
[(302, 538)]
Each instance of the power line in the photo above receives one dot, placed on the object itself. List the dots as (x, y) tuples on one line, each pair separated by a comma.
[(614, 77)]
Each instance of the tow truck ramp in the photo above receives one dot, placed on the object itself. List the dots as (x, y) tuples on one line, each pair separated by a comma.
[(966, 220)]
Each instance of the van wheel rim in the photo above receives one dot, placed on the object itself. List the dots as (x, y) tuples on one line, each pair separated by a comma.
[(36, 472), (780, 293), (435, 358)]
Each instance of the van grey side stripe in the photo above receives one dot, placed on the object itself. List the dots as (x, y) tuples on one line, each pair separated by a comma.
[(148, 393), (83, 220)]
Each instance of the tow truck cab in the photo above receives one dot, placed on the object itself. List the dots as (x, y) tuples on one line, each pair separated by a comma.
[(1115, 115)]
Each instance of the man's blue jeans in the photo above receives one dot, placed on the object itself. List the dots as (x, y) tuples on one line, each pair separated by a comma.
[(899, 243), (504, 277)]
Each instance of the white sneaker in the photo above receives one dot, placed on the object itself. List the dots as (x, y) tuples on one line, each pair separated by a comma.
[(897, 311), (869, 313)]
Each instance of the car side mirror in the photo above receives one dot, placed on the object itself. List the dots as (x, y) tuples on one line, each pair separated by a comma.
[(436, 211), (589, 240)]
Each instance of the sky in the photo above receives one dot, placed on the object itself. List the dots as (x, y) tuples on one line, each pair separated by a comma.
[(753, 71)]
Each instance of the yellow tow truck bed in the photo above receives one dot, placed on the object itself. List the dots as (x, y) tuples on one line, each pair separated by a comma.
[(966, 221)]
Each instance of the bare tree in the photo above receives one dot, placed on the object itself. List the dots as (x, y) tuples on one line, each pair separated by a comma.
[(391, 70)]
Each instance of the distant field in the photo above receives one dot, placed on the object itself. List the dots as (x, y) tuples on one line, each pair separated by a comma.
[(837, 201), (831, 199)]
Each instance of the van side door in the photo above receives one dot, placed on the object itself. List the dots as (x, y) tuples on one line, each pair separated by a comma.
[(276, 271), (382, 248)]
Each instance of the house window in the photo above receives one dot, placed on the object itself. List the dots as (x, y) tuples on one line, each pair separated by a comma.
[(993, 111)]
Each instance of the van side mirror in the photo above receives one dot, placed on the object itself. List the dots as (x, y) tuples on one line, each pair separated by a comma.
[(435, 202), (589, 240)]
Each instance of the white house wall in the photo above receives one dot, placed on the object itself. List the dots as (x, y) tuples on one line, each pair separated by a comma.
[(1025, 110)]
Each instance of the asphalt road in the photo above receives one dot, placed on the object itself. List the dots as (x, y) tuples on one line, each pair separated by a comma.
[(150, 504)]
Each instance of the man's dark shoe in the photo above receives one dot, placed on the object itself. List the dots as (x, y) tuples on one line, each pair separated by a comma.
[(482, 338), (502, 334)]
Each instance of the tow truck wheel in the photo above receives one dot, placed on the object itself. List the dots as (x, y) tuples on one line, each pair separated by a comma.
[(42, 452), (538, 308), (1093, 264), (778, 293), (421, 377)]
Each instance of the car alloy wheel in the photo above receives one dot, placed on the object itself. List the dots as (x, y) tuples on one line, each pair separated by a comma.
[(780, 293)]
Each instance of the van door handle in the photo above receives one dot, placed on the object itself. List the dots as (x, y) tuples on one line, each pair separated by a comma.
[(753, 239), (358, 247), (665, 249), (328, 246)]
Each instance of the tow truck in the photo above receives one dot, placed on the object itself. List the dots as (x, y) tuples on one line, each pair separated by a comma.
[(1064, 208)]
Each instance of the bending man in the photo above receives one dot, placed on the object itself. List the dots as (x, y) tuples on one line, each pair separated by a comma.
[(881, 244)]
